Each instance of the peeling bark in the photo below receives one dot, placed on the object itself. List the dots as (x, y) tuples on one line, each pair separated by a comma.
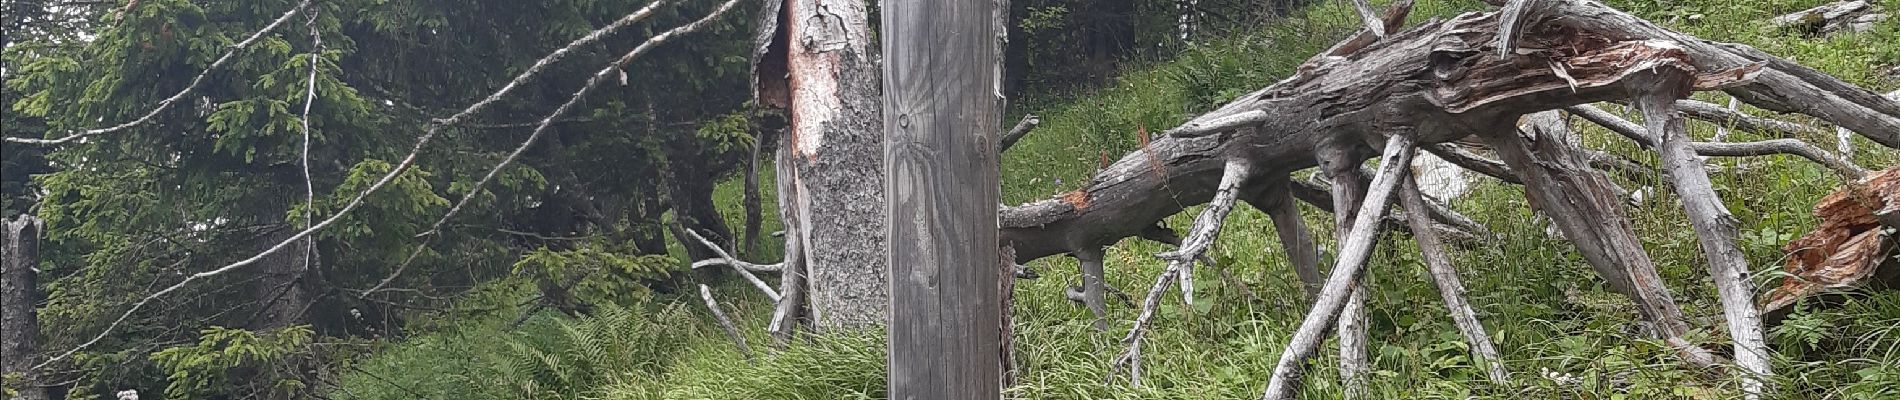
[(830, 159)]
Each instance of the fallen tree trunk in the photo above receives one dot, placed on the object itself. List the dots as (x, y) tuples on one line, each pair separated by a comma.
[(1433, 78), (1440, 82)]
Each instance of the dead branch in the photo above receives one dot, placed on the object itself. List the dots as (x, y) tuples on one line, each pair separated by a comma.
[(1450, 288), (310, 97), (1353, 254), (575, 99), (1207, 227), (1726, 117), (727, 259), (705, 293), (1093, 288), (1642, 136), (1713, 225), (1275, 197), (167, 102), (1580, 201), (1028, 123), (1782, 85)]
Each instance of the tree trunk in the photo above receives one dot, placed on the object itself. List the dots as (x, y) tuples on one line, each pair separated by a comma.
[(282, 294), (831, 181), (19, 292)]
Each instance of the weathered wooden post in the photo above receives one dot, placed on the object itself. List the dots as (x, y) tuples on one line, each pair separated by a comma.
[(942, 110)]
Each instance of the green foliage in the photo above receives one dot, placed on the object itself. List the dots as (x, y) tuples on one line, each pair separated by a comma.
[(598, 275), (227, 362), (546, 357)]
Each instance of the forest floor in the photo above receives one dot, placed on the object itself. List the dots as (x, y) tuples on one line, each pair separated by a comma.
[(1561, 333)]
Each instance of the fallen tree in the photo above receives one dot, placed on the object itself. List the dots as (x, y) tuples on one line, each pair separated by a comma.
[(1427, 87), (1439, 82)]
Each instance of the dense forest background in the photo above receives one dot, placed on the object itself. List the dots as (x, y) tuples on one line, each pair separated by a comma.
[(564, 277)]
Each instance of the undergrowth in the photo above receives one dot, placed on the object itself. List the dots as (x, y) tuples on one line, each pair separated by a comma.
[(1561, 333)]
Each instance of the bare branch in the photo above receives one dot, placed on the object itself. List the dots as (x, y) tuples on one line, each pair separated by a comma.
[(1726, 117), (1450, 288), (1713, 225), (167, 102), (1022, 128), (705, 293), (310, 97), (575, 99), (1207, 227), (1457, 155), (407, 161), (1353, 254), (1370, 18), (743, 272), (1794, 147)]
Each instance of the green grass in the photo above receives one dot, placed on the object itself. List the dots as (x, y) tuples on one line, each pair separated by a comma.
[(1544, 306)]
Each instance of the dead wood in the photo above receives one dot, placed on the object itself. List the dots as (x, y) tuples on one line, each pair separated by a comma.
[(1450, 288), (1636, 133), (1848, 251), (1353, 254), (1713, 224), (1015, 134), (1439, 82), (705, 293)]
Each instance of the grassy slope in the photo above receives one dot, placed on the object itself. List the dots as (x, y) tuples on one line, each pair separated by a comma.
[(1545, 307)]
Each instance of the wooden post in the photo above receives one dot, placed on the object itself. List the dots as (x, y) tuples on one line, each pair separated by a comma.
[(942, 110)]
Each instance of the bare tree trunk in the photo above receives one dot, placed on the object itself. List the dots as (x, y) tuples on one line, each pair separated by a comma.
[(19, 292), (282, 293), (815, 60)]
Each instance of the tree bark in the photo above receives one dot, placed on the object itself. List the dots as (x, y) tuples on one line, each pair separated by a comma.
[(281, 294), (19, 293), (815, 60)]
